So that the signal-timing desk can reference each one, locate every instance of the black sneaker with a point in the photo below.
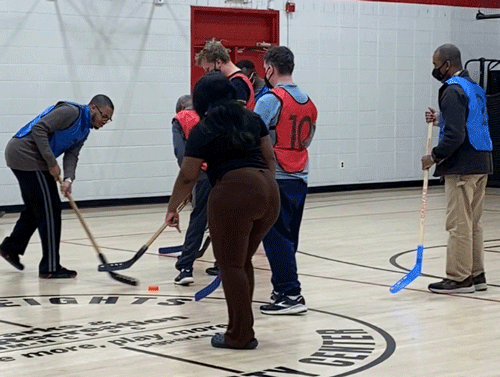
(214, 271)
(185, 277)
(13, 259)
(285, 305)
(480, 282)
(274, 296)
(452, 286)
(62, 273)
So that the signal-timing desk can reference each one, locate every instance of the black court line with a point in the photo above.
(100, 246)
(349, 201)
(126, 250)
(183, 360)
(348, 263)
(406, 289)
(389, 340)
(315, 205)
(152, 295)
(470, 296)
(97, 216)
(69, 240)
(16, 324)
(393, 260)
(338, 202)
(366, 214)
(113, 236)
(387, 270)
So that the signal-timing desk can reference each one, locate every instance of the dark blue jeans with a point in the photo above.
(196, 227)
(282, 241)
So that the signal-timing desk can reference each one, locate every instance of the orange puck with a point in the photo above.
(153, 288)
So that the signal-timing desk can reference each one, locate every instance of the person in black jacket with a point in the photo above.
(463, 158)
(182, 125)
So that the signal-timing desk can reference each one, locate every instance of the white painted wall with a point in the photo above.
(366, 65)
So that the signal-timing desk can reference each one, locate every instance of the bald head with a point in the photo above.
(183, 103)
(450, 53)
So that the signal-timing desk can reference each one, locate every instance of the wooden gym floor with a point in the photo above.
(353, 247)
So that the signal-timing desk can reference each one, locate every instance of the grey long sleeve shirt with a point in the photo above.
(32, 152)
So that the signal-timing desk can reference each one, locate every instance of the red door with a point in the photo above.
(246, 32)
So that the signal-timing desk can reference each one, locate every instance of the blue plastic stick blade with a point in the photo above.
(412, 274)
(201, 294)
(170, 249)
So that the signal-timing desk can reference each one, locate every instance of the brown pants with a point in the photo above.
(465, 199)
(242, 207)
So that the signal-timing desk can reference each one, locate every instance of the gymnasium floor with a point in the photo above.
(95, 326)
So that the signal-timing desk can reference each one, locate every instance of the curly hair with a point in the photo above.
(212, 51)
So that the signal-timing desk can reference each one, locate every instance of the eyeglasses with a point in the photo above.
(105, 119)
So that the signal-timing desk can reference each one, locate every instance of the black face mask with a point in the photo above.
(436, 73)
(266, 80)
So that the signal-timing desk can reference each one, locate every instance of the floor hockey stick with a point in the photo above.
(203, 248)
(178, 248)
(170, 249)
(202, 293)
(417, 269)
(121, 278)
(128, 263)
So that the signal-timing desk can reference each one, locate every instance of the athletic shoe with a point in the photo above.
(480, 282)
(274, 296)
(212, 270)
(219, 341)
(185, 277)
(285, 305)
(62, 273)
(13, 259)
(452, 286)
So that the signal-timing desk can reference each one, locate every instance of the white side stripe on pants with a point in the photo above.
(49, 215)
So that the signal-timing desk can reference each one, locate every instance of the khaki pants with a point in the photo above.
(465, 199)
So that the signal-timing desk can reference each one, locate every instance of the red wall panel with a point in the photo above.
(455, 3)
(241, 30)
